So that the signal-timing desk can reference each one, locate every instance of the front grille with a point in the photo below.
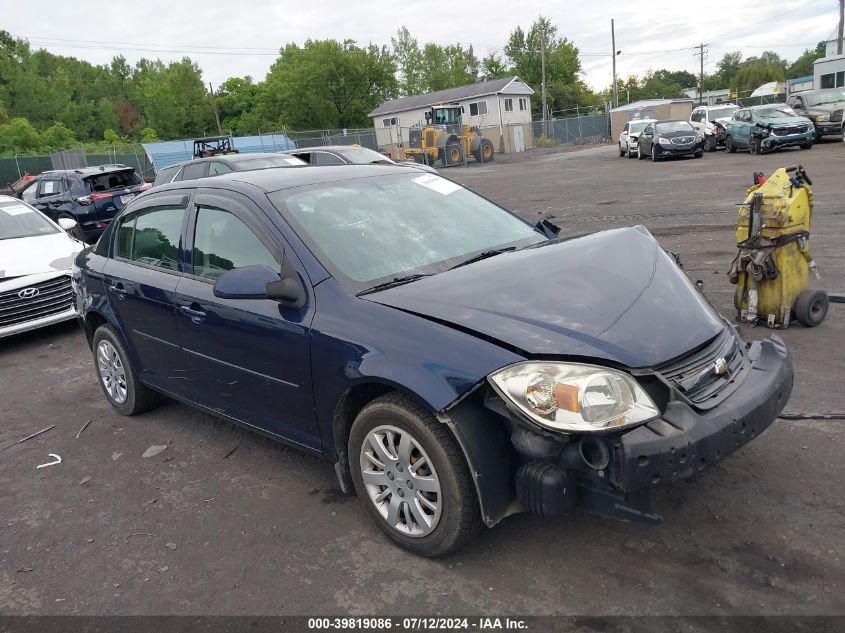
(786, 131)
(683, 140)
(54, 296)
(695, 375)
(836, 116)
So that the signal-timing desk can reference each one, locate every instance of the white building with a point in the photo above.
(500, 108)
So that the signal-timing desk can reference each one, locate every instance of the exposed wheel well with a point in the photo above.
(93, 320)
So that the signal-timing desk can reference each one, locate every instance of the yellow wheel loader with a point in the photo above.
(773, 264)
(446, 140)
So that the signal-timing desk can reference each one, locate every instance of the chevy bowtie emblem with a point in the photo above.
(28, 293)
(721, 366)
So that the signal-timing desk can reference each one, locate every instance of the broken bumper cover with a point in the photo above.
(679, 444)
(683, 441)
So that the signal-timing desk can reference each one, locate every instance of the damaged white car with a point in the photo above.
(35, 260)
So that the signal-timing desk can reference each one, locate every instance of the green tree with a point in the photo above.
(236, 98)
(111, 137)
(564, 87)
(58, 137)
(756, 71)
(493, 67)
(18, 135)
(149, 135)
(803, 66)
(326, 84)
(409, 62)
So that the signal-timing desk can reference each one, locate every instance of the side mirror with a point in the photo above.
(67, 224)
(260, 282)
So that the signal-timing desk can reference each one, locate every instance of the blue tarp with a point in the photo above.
(170, 152)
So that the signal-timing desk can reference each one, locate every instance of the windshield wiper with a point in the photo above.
(484, 255)
(396, 281)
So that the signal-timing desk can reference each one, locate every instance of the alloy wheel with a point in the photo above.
(112, 373)
(401, 481)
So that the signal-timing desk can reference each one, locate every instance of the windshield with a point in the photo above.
(113, 180)
(266, 163)
(721, 113)
(374, 229)
(826, 96)
(774, 113)
(21, 220)
(363, 156)
(637, 127)
(674, 126)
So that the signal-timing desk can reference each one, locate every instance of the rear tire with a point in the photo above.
(487, 152)
(389, 421)
(452, 154)
(811, 307)
(729, 145)
(117, 377)
(806, 145)
(710, 143)
(622, 151)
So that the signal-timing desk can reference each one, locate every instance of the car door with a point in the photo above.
(647, 139)
(140, 278)
(623, 137)
(249, 358)
(741, 128)
(50, 198)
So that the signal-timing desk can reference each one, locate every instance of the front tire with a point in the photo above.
(710, 143)
(729, 145)
(622, 151)
(806, 145)
(117, 377)
(654, 157)
(698, 154)
(639, 153)
(411, 476)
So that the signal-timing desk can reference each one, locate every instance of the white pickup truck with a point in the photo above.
(711, 121)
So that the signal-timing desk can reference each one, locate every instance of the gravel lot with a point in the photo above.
(198, 529)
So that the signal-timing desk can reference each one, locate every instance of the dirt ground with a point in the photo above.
(199, 529)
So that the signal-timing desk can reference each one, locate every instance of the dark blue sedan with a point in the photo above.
(456, 363)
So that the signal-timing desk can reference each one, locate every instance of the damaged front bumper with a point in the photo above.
(615, 473)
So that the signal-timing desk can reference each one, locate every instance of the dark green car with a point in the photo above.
(764, 128)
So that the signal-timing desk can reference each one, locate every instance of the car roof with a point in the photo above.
(232, 158)
(88, 171)
(331, 148)
(716, 106)
(673, 121)
(767, 105)
(278, 178)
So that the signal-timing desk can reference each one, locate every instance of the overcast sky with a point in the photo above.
(241, 38)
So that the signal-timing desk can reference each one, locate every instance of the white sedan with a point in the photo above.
(36, 255)
(630, 133)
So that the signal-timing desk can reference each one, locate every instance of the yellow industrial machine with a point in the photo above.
(773, 264)
(444, 138)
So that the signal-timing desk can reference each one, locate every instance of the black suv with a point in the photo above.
(823, 108)
(90, 196)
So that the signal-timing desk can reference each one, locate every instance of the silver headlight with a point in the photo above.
(664, 141)
(572, 397)
(822, 117)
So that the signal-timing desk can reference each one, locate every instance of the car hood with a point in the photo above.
(614, 295)
(826, 108)
(784, 121)
(38, 254)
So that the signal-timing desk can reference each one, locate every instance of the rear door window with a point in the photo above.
(216, 167)
(50, 187)
(152, 236)
(194, 170)
(324, 158)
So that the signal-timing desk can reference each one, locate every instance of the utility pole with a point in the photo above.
(613, 43)
(700, 53)
(216, 113)
(543, 73)
(841, 26)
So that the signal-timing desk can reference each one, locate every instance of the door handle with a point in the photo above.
(119, 290)
(197, 316)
